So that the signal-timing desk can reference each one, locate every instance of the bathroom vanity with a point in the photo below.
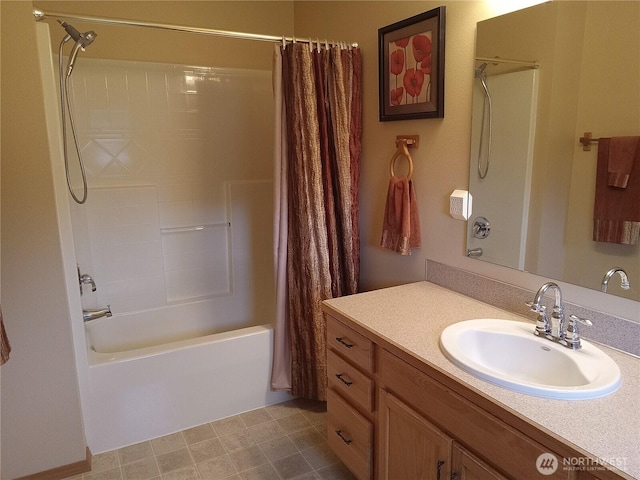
(399, 409)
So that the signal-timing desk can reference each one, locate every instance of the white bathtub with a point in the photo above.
(139, 389)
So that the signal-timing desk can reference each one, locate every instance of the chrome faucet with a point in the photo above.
(624, 280)
(544, 326)
(568, 337)
(92, 314)
(85, 279)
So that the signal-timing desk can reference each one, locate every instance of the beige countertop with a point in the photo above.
(412, 317)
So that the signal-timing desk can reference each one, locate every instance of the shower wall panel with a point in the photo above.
(167, 149)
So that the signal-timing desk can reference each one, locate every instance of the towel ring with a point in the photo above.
(402, 150)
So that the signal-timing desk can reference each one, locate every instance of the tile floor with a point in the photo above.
(286, 441)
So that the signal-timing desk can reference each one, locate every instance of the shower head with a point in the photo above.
(73, 33)
(480, 71)
(82, 40)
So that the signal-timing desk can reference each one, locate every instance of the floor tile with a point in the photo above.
(135, 452)
(254, 417)
(291, 466)
(286, 441)
(266, 430)
(199, 434)
(278, 448)
(144, 469)
(249, 458)
(220, 467)
(206, 450)
(168, 443)
(175, 460)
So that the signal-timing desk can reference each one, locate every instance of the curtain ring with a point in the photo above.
(401, 150)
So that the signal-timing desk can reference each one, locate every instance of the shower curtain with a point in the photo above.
(318, 144)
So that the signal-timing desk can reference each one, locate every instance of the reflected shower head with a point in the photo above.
(480, 70)
(82, 40)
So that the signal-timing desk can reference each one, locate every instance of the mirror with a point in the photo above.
(564, 68)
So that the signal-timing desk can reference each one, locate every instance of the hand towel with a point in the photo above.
(622, 155)
(616, 211)
(401, 226)
(5, 347)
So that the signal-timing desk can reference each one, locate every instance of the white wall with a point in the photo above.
(40, 400)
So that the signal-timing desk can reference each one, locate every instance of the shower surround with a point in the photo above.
(176, 234)
(179, 165)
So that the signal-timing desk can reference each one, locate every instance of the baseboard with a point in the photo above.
(76, 468)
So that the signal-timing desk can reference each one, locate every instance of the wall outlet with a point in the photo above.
(460, 204)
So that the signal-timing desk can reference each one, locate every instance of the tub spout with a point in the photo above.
(92, 314)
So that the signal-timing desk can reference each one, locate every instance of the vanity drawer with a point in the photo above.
(350, 436)
(350, 344)
(351, 383)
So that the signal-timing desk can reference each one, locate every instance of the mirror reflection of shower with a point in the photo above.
(481, 75)
(82, 40)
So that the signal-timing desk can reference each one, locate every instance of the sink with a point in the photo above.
(508, 354)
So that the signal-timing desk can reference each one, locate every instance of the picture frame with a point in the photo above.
(411, 67)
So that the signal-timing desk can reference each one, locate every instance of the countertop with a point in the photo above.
(412, 316)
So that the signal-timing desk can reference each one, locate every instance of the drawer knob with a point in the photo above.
(347, 383)
(344, 439)
(343, 342)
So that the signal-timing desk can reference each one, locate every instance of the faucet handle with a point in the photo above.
(571, 336)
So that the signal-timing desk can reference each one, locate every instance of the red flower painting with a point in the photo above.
(410, 68)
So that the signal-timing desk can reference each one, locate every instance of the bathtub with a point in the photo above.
(179, 375)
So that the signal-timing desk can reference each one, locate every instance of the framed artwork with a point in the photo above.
(411, 57)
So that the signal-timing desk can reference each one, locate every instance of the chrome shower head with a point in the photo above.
(82, 40)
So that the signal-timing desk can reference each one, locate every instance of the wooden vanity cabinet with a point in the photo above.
(391, 416)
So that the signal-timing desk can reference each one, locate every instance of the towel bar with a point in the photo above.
(587, 140)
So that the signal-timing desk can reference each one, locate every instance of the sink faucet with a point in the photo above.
(544, 327)
(624, 280)
(568, 337)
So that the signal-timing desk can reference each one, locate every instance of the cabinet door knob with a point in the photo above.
(343, 342)
(347, 383)
(344, 439)
(440, 464)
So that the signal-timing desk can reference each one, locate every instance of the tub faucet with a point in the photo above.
(92, 314)
(624, 280)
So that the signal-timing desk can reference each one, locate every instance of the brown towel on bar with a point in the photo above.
(5, 347)
(616, 211)
(401, 226)
(622, 155)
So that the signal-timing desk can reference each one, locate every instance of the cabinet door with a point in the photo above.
(466, 466)
(409, 447)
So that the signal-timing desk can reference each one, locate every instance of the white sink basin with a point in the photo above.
(508, 354)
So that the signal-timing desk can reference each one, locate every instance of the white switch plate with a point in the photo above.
(460, 204)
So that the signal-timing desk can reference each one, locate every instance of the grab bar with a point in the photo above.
(194, 228)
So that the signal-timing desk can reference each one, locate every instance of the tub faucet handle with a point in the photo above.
(85, 279)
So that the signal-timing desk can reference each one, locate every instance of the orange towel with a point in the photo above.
(616, 211)
(401, 226)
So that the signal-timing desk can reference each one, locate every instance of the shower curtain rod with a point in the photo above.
(40, 15)
(532, 64)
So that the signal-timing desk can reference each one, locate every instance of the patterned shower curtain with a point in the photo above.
(317, 170)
